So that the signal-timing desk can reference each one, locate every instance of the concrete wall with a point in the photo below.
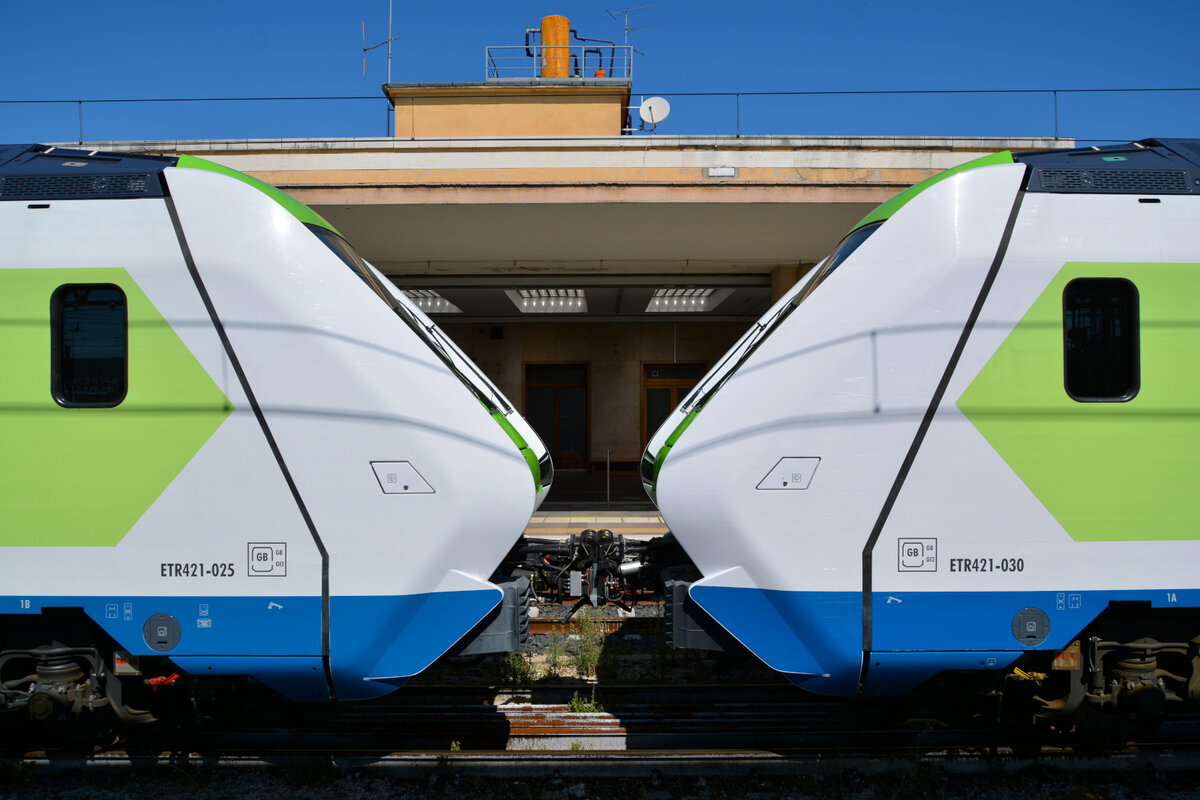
(615, 353)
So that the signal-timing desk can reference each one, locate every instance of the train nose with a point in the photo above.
(647, 474)
(546, 470)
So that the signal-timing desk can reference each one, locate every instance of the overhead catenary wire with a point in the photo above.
(793, 93)
(1054, 93)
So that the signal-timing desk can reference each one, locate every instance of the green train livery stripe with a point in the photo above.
(524, 447)
(294, 206)
(84, 476)
(1110, 471)
(888, 209)
(671, 440)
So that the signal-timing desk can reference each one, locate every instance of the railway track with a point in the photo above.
(686, 741)
(649, 763)
(592, 775)
(608, 625)
(571, 718)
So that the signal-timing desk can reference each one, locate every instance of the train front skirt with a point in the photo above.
(815, 638)
(376, 642)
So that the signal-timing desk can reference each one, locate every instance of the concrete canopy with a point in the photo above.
(473, 216)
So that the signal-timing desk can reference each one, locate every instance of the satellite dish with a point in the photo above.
(654, 110)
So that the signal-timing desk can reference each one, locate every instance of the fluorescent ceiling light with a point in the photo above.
(548, 301)
(684, 300)
(431, 302)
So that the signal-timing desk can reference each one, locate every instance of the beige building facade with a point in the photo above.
(542, 108)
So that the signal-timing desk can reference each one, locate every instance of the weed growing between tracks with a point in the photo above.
(588, 643)
(584, 655)
(587, 650)
(512, 669)
(584, 705)
(554, 655)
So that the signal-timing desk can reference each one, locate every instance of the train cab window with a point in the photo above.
(350, 257)
(1100, 340)
(422, 326)
(89, 346)
(844, 250)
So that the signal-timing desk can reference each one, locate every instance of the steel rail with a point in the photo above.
(534, 721)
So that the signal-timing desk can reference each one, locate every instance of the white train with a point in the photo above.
(230, 445)
(966, 443)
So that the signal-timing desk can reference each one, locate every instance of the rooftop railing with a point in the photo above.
(1091, 116)
(580, 62)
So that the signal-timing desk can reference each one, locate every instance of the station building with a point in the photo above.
(592, 269)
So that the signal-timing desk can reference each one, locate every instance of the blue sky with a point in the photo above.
(142, 50)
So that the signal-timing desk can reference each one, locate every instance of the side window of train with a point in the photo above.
(1101, 360)
(89, 345)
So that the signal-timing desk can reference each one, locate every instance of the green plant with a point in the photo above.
(455, 746)
(589, 643)
(554, 655)
(585, 705)
(513, 669)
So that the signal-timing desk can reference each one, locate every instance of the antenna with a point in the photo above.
(627, 26)
(388, 42)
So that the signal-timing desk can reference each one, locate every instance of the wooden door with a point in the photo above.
(556, 405)
(664, 386)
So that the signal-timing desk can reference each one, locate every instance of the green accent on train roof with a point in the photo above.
(888, 209)
(294, 206)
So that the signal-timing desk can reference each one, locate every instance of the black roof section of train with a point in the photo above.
(1150, 166)
(37, 172)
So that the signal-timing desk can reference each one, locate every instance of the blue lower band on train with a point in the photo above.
(811, 636)
(376, 643)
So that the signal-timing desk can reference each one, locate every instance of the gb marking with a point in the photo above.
(266, 559)
(917, 555)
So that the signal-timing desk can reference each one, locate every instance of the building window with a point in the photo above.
(1100, 339)
(89, 345)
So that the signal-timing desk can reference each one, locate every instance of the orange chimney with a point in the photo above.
(556, 47)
